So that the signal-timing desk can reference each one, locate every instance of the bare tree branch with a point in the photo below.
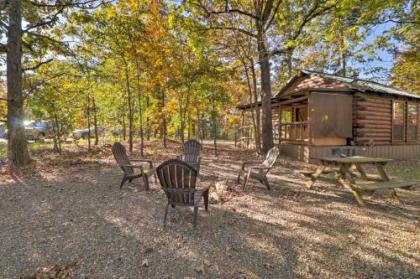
(280, 51)
(267, 10)
(243, 31)
(43, 82)
(273, 16)
(402, 21)
(38, 65)
(3, 48)
(227, 10)
(4, 25)
(313, 13)
(70, 3)
(53, 18)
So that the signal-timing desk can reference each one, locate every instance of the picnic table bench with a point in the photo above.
(347, 169)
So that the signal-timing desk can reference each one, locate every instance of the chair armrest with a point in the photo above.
(249, 163)
(133, 166)
(259, 168)
(141, 160)
(150, 161)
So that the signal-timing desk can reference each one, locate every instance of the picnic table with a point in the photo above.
(348, 169)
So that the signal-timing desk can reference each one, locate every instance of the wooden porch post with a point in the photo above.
(310, 138)
(280, 116)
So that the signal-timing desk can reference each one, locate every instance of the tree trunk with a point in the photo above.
(253, 100)
(164, 128)
(149, 130)
(189, 126)
(343, 62)
(88, 118)
(139, 98)
(57, 135)
(214, 130)
(181, 119)
(289, 56)
(198, 125)
(267, 124)
(130, 107)
(17, 147)
(257, 108)
(183, 111)
(95, 121)
(124, 125)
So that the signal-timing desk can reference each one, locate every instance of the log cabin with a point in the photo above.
(319, 115)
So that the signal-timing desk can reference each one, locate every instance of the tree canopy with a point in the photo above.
(177, 69)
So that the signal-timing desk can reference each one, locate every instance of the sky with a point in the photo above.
(385, 58)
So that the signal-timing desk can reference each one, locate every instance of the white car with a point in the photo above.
(84, 133)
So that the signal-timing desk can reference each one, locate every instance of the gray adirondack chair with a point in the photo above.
(178, 180)
(258, 170)
(192, 154)
(120, 155)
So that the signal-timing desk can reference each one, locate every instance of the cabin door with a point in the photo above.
(300, 113)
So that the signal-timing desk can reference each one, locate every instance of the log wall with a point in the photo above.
(372, 119)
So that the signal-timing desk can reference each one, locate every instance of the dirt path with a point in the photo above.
(75, 215)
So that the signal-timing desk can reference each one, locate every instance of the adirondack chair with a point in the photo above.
(192, 154)
(259, 170)
(178, 180)
(120, 155)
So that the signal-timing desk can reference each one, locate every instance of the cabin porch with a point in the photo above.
(304, 122)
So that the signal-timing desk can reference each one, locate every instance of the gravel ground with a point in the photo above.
(74, 214)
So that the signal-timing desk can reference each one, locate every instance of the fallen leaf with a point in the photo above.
(200, 269)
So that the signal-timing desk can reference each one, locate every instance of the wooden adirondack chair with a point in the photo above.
(120, 155)
(259, 170)
(192, 154)
(178, 180)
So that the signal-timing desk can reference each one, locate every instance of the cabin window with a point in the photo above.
(286, 116)
(412, 122)
(398, 121)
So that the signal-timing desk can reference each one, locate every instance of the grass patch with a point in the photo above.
(405, 170)
(3, 152)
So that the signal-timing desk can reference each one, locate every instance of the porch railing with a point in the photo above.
(297, 132)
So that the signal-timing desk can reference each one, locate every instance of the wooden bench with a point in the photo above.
(370, 188)
(366, 186)
(309, 173)
(314, 175)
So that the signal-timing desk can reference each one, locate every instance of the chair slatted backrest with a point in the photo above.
(191, 151)
(178, 180)
(120, 155)
(271, 157)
